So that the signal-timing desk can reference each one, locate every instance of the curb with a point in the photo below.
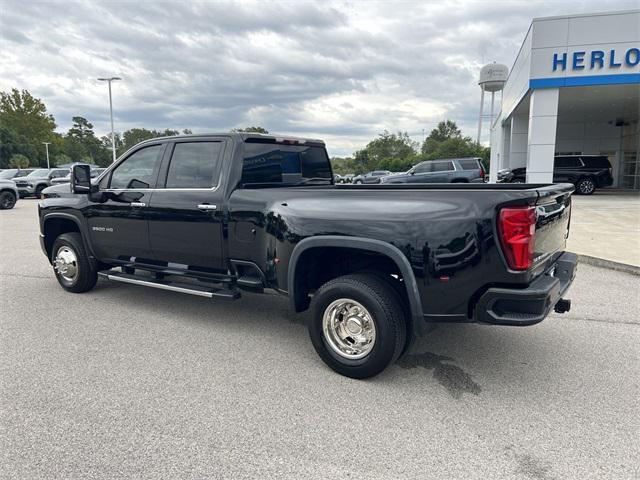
(610, 264)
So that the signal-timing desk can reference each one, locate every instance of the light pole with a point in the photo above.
(113, 137)
(46, 146)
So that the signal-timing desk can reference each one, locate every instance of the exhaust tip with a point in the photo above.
(562, 306)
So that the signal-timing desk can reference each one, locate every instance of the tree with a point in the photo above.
(390, 151)
(18, 161)
(446, 141)
(61, 159)
(81, 143)
(445, 130)
(134, 136)
(251, 130)
(8, 145)
(342, 166)
(27, 117)
(81, 129)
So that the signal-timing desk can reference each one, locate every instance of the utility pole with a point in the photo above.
(46, 146)
(113, 137)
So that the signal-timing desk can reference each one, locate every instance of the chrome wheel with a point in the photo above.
(66, 263)
(586, 187)
(349, 329)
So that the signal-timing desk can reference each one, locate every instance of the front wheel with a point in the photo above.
(7, 200)
(358, 326)
(73, 269)
(586, 186)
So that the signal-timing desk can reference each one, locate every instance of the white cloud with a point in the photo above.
(341, 71)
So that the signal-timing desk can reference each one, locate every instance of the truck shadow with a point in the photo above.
(268, 316)
(453, 378)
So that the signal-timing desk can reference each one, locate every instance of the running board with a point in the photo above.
(172, 286)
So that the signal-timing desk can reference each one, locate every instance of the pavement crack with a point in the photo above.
(453, 378)
(22, 275)
(603, 320)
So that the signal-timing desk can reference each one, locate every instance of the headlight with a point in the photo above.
(29, 185)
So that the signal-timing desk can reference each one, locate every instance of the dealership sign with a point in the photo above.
(596, 59)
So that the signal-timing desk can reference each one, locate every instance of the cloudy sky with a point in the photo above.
(341, 71)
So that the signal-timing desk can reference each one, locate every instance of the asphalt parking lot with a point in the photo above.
(130, 382)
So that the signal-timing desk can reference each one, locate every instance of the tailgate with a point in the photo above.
(553, 214)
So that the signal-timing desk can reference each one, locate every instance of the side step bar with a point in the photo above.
(172, 286)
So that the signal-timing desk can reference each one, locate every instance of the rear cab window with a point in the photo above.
(268, 162)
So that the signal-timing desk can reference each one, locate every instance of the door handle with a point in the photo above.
(207, 206)
(138, 204)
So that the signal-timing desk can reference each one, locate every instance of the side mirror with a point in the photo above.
(81, 179)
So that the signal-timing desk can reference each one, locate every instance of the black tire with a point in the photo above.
(384, 306)
(585, 186)
(7, 200)
(87, 274)
(39, 190)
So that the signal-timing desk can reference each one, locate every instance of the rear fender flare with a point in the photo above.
(359, 243)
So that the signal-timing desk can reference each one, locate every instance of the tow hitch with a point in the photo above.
(562, 306)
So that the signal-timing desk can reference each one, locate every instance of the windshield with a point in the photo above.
(8, 173)
(286, 165)
(41, 172)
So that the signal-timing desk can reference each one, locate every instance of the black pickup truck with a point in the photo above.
(214, 215)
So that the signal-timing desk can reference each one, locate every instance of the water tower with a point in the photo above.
(492, 79)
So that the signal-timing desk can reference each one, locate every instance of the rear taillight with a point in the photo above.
(482, 173)
(517, 228)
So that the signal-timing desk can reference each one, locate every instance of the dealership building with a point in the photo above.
(574, 88)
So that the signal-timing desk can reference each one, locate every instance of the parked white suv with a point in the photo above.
(8, 194)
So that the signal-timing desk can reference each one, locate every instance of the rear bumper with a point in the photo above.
(606, 181)
(528, 306)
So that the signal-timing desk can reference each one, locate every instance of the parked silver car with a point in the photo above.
(371, 177)
(8, 194)
(38, 180)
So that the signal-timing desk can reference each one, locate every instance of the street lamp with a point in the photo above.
(46, 146)
(113, 137)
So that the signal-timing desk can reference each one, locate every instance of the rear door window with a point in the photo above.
(443, 166)
(567, 162)
(194, 165)
(469, 164)
(59, 173)
(596, 162)
(423, 167)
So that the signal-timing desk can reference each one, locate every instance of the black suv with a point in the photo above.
(586, 172)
